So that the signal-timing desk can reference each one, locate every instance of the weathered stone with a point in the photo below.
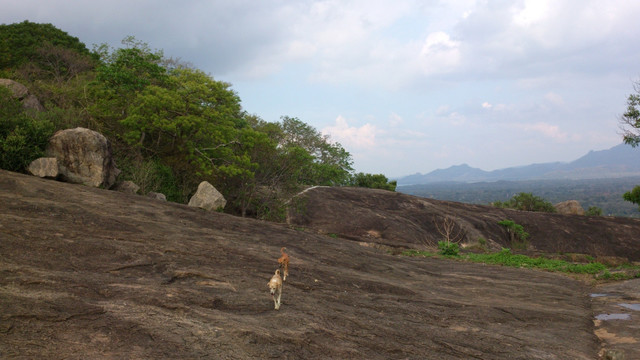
(157, 196)
(31, 102)
(85, 275)
(127, 187)
(569, 207)
(21, 93)
(44, 167)
(84, 157)
(207, 197)
(18, 90)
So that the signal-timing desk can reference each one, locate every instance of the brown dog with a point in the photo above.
(284, 263)
(275, 287)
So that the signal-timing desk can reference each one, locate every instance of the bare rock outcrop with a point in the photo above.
(127, 186)
(207, 197)
(20, 92)
(44, 167)
(94, 274)
(84, 157)
(157, 196)
(569, 207)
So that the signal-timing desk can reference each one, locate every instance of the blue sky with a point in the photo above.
(405, 86)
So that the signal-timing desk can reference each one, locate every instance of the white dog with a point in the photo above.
(275, 286)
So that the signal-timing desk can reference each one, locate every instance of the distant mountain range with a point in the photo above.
(619, 161)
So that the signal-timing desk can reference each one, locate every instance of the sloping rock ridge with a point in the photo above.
(400, 220)
(87, 273)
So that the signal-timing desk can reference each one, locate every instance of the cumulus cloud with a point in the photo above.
(351, 136)
(439, 54)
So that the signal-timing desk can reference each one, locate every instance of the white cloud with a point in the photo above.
(351, 136)
(439, 54)
(548, 130)
(486, 105)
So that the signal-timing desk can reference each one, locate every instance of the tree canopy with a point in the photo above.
(630, 120)
(20, 43)
(171, 125)
(630, 125)
(526, 202)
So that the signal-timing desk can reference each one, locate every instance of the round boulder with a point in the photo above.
(84, 157)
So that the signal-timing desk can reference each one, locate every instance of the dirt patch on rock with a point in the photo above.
(90, 273)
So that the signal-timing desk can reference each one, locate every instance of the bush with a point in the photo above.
(377, 181)
(516, 232)
(593, 211)
(152, 175)
(526, 202)
(448, 248)
(23, 138)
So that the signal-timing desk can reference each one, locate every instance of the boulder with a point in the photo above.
(18, 90)
(44, 167)
(84, 157)
(157, 196)
(21, 93)
(207, 197)
(569, 207)
(127, 187)
(31, 102)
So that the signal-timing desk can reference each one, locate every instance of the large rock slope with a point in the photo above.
(396, 219)
(87, 273)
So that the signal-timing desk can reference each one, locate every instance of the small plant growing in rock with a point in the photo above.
(452, 234)
(448, 248)
(593, 211)
(516, 231)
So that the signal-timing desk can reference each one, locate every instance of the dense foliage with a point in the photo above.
(23, 43)
(633, 196)
(377, 181)
(171, 126)
(630, 125)
(630, 120)
(22, 137)
(526, 202)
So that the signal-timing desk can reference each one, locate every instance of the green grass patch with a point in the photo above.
(506, 258)
(418, 253)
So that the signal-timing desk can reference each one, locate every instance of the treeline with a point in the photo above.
(605, 194)
(171, 125)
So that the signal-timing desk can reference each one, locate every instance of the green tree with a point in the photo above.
(331, 163)
(130, 68)
(194, 120)
(378, 181)
(593, 211)
(630, 125)
(633, 196)
(630, 120)
(122, 75)
(526, 202)
(21, 43)
(23, 136)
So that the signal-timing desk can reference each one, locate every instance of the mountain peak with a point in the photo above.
(619, 161)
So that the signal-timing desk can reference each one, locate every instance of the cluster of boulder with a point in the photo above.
(20, 92)
(84, 156)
